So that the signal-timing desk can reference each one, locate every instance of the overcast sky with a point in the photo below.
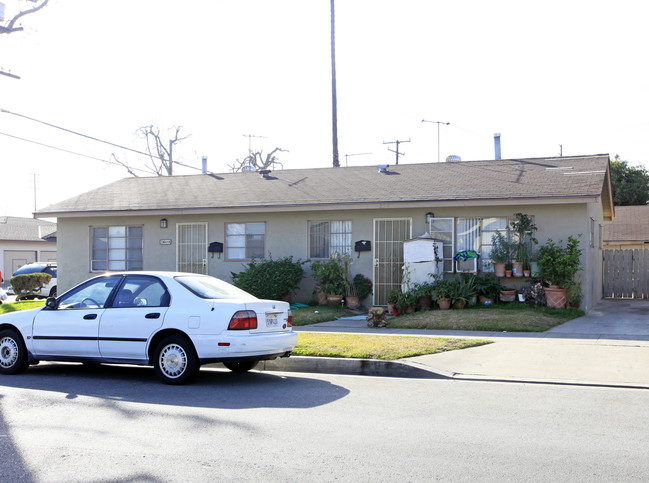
(543, 74)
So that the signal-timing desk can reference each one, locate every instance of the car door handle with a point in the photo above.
(152, 315)
(90, 316)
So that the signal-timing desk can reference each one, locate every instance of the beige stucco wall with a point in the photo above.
(286, 234)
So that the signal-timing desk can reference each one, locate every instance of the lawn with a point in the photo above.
(513, 317)
(314, 314)
(24, 305)
(385, 347)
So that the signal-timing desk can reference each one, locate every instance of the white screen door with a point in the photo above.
(389, 235)
(192, 247)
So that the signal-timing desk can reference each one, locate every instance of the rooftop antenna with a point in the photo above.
(397, 142)
(354, 154)
(438, 123)
(250, 136)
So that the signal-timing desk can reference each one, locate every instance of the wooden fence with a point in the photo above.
(626, 274)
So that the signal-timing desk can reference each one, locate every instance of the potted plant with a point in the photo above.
(441, 290)
(460, 292)
(424, 293)
(471, 279)
(499, 254)
(393, 298)
(509, 267)
(363, 286)
(406, 302)
(559, 264)
(488, 288)
(507, 294)
(329, 275)
(523, 228)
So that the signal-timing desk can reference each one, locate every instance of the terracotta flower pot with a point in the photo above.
(444, 304)
(392, 310)
(353, 302)
(517, 269)
(556, 297)
(499, 269)
(334, 300)
(508, 273)
(425, 302)
(507, 295)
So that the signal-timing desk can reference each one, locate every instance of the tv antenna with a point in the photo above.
(250, 136)
(354, 154)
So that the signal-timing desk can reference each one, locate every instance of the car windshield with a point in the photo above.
(211, 288)
(29, 269)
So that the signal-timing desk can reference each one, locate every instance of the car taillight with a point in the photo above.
(290, 319)
(243, 320)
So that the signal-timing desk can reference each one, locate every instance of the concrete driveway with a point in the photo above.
(609, 346)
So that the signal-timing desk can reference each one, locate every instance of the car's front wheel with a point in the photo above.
(175, 360)
(243, 366)
(13, 353)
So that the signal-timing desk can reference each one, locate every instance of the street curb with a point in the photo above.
(406, 369)
(358, 367)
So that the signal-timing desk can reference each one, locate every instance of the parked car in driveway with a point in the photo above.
(173, 321)
(49, 289)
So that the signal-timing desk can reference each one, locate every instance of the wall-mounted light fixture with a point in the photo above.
(164, 223)
(429, 217)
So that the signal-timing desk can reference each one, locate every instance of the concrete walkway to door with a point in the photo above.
(609, 347)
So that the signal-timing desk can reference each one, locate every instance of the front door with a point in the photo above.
(192, 247)
(389, 235)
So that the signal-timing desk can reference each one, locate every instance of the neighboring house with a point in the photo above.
(25, 240)
(626, 253)
(629, 230)
(178, 223)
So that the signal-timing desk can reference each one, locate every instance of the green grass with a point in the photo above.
(499, 318)
(308, 315)
(24, 305)
(384, 347)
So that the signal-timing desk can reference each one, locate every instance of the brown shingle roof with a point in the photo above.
(512, 179)
(631, 225)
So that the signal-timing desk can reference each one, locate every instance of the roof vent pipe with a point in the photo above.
(204, 164)
(497, 145)
(383, 168)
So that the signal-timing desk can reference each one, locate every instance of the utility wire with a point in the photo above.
(69, 152)
(87, 137)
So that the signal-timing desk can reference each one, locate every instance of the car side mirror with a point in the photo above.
(50, 303)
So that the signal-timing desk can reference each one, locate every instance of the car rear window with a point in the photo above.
(211, 288)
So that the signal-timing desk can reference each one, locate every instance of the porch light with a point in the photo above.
(429, 217)
(164, 223)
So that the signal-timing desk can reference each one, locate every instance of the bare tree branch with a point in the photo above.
(256, 161)
(10, 26)
(161, 157)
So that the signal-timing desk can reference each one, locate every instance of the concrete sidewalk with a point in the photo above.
(607, 347)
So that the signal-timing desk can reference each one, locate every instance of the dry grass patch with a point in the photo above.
(385, 347)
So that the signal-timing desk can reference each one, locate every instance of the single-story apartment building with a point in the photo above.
(25, 240)
(216, 223)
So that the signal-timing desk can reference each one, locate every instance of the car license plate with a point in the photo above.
(272, 320)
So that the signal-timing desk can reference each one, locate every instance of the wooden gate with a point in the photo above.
(626, 274)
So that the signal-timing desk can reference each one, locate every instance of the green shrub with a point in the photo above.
(330, 275)
(363, 285)
(29, 284)
(270, 279)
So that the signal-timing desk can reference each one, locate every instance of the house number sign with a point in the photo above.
(165, 242)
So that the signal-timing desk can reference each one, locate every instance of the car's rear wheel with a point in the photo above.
(175, 360)
(243, 366)
(13, 353)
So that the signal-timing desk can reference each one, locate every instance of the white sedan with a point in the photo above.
(172, 321)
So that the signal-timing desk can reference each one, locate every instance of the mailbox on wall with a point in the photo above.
(363, 246)
(215, 247)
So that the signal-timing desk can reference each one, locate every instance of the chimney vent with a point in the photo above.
(264, 173)
(497, 144)
(204, 164)
(383, 168)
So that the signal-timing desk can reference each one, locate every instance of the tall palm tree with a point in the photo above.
(334, 100)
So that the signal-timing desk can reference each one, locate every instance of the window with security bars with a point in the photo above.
(490, 226)
(329, 237)
(116, 248)
(245, 241)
